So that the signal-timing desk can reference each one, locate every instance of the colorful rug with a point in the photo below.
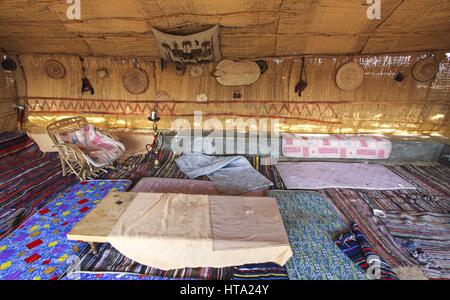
(113, 276)
(13, 141)
(183, 186)
(356, 206)
(361, 206)
(426, 236)
(355, 245)
(310, 222)
(322, 175)
(434, 180)
(109, 260)
(268, 271)
(28, 179)
(404, 200)
(39, 248)
(140, 166)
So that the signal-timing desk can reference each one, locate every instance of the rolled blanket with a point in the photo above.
(355, 245)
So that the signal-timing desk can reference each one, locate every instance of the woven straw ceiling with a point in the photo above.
(249, 28)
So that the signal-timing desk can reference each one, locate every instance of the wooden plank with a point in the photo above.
(139, 45)
(92, 9)
(24, 10)
(72, 45)
(170, 7)
(243, 46)
(107, 26)
(96, 225)
(315, 44)
(405, 43)
(417, 17)
(239, 23)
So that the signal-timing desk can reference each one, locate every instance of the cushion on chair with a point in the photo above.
(98, 149)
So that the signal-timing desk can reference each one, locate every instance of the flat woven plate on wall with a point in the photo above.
(135, 81)
(425, 69)
(349, 76)
(235, 73)
(54, 69)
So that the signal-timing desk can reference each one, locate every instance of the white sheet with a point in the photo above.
(172, 231)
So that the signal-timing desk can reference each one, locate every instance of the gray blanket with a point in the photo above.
(231, 175)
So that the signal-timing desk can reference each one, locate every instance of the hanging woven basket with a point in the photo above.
(135, 81)
(162, 96)
(425, 69)
(236, 73)
(349, 76)
(54, 69)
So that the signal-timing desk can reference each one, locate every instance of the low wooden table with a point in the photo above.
(212, 230)
(96, 225)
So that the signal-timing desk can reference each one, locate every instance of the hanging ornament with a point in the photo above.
(399, 77)
(102, 73)
(302, 84)
(86, 86)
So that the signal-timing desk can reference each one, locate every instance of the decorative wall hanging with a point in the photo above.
(234, 73)
(349, 76)
(162, 96)
(86, 86)
(135, 81)
(196, 71)
(425, 69)
(302, 83)
(54, 69)
(202, 47)
(399, 77)
(180, 69)
(262, 66)
(9, 64)
(163, 64)
(102, 73)
(201, 97)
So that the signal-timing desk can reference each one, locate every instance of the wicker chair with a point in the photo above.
(72, 158)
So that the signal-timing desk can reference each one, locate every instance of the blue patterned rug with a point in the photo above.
(114, 276)
(310, 222)
(39, 248)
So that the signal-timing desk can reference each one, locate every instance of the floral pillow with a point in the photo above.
(98, 149)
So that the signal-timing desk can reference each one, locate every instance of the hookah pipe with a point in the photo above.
(154, 147)
(21, 109)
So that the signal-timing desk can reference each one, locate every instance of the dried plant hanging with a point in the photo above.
(302, 84)
(86, 86)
